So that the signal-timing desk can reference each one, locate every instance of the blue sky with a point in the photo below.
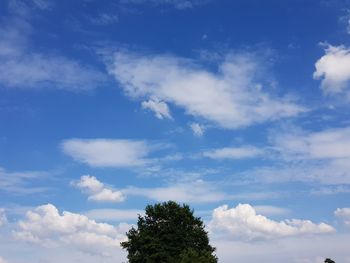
(238, 108)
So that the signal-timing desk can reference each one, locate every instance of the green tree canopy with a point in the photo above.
(169, 233)
(328, 260)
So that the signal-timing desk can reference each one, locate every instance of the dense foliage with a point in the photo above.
(169, 233)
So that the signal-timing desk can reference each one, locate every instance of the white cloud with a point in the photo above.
(3, 218)
(107, 195)
(344, 214)
(47, 227)
(107, 152)
(2, 260)
(89, 183)
(233, 153)
(160, 108)
(230, 98)
(242, 222)
(198, 130)
(98, 191)
(334, 69)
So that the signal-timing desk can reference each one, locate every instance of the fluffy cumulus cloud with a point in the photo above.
(98, 191)
(343, 214)
(160, 108)
(242, 222)
(107, 152)
(233, 153)
(230, 97)
(46, 226)
(333, 68)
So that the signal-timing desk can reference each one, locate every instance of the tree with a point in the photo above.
(328, 260)
(169, 233)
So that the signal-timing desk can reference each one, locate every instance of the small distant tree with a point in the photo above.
(328, 260)
(169, 233)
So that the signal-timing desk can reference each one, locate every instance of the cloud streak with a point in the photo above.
(20, 182)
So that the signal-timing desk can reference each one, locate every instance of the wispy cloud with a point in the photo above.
(326, 144)
(312, 157)
(3, 218)
(189, 190)
(21, 182)
(103, 19)
(231, 97)
(24, 67)
(193, 192)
